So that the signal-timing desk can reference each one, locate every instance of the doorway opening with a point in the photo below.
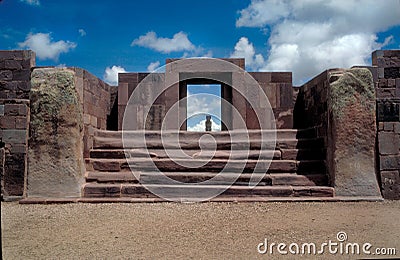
(203, 105)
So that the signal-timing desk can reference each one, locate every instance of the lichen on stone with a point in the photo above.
(53, 92)
(354, 85)
(56, 166)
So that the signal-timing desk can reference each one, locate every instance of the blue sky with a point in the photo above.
(107, 37)
(305, 37)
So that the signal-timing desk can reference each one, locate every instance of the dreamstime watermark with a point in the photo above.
(340, 246)
(166, 83)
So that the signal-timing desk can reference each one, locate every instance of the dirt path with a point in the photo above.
(200, 231)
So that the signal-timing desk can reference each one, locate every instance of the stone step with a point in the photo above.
(112, 177)
(197, 177)
(252, 133)
(175, 153)
(284, 154)
(236, 179)
(95, 190)
(214, 165)
(220, 144)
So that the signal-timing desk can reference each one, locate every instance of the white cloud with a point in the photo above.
(198, 52)
(203, 103)
(111, 74)
(245, 49)
(31, 2)
(201, 126)
(199, 105)
(153, 66)
(82, 32)
(307, 37)
(45, 48)
(179, 42)
(260, 13)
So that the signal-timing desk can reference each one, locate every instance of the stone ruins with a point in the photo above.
(67, 136)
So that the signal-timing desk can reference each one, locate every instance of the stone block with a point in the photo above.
(388, 126)
(93, 121)
(389, 143)
(1, 110)
(281, 77)
(270, 91)
(56, 164)
(14, 174)
(21, 122)
(15, 136)
(391, 83)
(396, 127)
(23, 86)
(8, 55)
(252, 120)
(7, 122)
(106, 190)
(383, 83)
(13, 64)
(8, 85)
(21, 75)
(392, 73)
(123, 94)
(286, 95)
(388, 111)
(12, 109)
(283, 118)
(390, 184)
(86, 119)
(6, 75)
(386, 93)
(19, 148)
(381, 73)
(261, 77)
(389, 162)
(350, 158)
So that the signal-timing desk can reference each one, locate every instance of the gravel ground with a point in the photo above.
(181, 231)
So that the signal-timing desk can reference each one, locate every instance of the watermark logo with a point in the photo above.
(166, 83)
(340, 246)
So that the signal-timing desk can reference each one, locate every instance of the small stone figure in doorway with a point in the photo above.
(208, 123)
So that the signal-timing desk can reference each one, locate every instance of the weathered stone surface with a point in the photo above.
(56, 166)
(388, 111)
(14, 173)
(352, 129)
(390, 162)
(390, 184)
(2, 162)
(102, 190)
(389, 143)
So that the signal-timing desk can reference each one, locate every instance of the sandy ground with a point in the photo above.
(182, 231)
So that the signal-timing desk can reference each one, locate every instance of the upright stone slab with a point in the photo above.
(352, 130)
(56, 166)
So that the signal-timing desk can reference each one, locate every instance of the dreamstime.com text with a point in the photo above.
(340, 246)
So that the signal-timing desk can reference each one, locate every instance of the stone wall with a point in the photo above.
(15, 71)
(95, 97)
(95, 101)
(340, 104)
(387, 85)
(279, 90)
(276, 85)
(127, 82)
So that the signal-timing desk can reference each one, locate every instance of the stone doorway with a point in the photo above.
(220, 112)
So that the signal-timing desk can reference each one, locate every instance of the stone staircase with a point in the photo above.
(192, 161)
